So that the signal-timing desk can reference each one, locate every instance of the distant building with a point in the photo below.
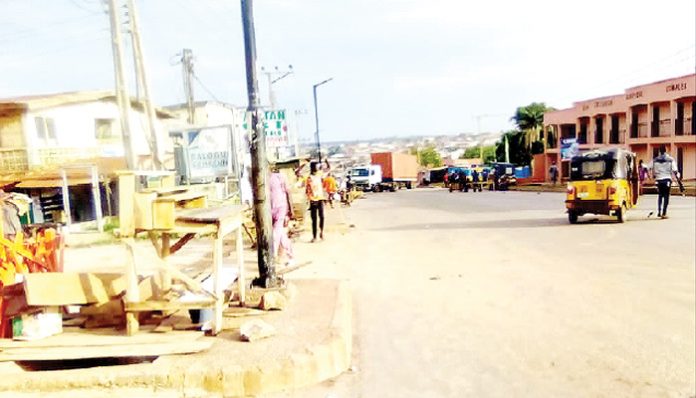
(42, 134)
(641, 119)
(45, 131)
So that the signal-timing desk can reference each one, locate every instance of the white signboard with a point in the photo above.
(208, 152)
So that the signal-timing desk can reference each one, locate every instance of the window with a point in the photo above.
(103, 129)
(45, 129)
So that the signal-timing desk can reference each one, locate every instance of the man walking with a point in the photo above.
(281, 213)
(553, 172)
(663, 166)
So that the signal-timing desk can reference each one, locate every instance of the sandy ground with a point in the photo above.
(495, 295)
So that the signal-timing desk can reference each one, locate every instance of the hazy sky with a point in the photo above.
(400, 67)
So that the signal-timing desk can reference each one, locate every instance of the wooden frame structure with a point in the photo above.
(166, 212)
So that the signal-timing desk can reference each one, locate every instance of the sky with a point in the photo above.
(399, 67)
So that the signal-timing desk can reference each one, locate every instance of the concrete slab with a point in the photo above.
(313, 343)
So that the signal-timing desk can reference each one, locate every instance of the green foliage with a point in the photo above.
(489, 153)
(519, 152)
(429, 157)
(530, 120)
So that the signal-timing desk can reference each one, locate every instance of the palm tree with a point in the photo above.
(530, 120)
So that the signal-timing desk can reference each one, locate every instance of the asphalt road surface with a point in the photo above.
(494, 294)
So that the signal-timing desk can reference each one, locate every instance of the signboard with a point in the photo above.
(569, 148)
(208, 152)
(275, 125)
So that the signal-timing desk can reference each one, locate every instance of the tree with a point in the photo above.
(530, 120)
(520, 153)
(489, 153)
(429, 157)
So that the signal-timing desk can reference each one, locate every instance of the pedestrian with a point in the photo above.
(281, 214)
(553, 172)
(474, 178)
(330, 187)
(446, 179)
(642, 175)
(663, 166)
(461, 176)
(315, 193)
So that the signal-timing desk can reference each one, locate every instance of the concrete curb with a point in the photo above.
(315, 364)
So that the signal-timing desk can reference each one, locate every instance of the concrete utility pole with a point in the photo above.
(141, 79)
(122, 97)
(259, 161)
(187, 72)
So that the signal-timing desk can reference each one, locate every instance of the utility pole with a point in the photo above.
(316, 116)
(272, 81)
(141, 79)
(187, 72)
(122, 97)
(259, 162)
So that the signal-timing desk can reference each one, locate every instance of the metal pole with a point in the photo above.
(259, 162)
(316, 123)
(96, 197)
(66, 198)
(316, 116)
(122, 97)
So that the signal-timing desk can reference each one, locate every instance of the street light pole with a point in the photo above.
(316, 116)
(259, 161)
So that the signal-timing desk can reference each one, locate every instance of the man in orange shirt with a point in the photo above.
(330, 187)
(314, 188)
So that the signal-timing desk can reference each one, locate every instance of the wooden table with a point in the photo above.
(216, 222)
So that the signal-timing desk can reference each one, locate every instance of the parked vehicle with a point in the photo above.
(602, 182)
(399, 170)
(366, 178)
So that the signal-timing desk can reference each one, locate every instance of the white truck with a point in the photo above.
(367, 178)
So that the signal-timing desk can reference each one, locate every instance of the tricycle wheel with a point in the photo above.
(621, 214)
(572, 217)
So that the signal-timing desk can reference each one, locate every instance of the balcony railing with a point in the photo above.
(13, 160)
(639, 130)
(662, 128)
(598, 137)
(17, 160)
(617, 136)
(683, 126)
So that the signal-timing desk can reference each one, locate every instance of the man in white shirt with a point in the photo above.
(663, 166)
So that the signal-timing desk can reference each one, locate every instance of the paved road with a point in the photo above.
(494, 294)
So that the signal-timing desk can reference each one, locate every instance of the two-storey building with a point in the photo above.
(641, 119)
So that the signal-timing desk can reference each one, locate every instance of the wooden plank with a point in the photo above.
(163, 191)
(142, 209)
(163, 215)
(156, 305)
(112, 308)
(65, 288)
(126, 190)
(210, 214)
(181, 242)
(180, 196)
(75, 337)
(119, 351)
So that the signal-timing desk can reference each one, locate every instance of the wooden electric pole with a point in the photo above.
(122, 97)
(141, 79)
(259, 161)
